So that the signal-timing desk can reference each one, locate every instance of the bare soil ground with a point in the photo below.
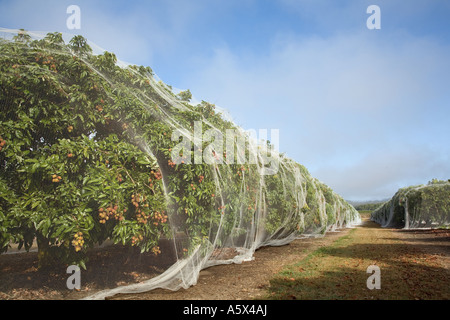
(415, 264)
(248, 280)
(108, 267)
(111, 267)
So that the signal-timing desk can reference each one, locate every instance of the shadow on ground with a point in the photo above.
(410, 267)
(107, 268)
(348, 283)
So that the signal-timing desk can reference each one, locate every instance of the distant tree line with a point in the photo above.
(368, 206)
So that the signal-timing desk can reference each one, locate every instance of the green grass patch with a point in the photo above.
(339, 271)
(310, 278)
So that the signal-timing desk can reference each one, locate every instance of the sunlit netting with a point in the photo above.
(424, 206)
(93, 150)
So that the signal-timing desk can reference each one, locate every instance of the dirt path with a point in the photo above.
(248, 280)
(414, 264)
(109, 268)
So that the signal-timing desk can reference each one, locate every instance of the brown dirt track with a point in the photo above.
(20, 279)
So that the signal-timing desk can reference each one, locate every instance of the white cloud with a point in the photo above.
(336, 100)
(339, 99)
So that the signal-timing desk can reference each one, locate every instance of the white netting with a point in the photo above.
(96, 150)
(423, 206)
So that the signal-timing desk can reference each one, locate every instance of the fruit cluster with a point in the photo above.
(139, 201)
(157, 175)
(156, 250)
(200, 179)
(48, 61)
(221, 208)
(56, 178)
(99, 107)
(78, 241)
(2, 143)
(136, 199)
(141, 216)
(240, 171)
(110, 212)
(171, 163)
(136, 239)
(159, 217)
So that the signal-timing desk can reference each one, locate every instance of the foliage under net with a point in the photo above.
(94, 151)
(423, 206)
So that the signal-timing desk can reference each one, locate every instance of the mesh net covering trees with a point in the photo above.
(87, 155)
(422, 206)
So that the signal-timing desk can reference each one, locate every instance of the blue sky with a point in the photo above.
(366, 111)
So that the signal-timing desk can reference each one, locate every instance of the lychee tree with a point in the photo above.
(73, 172)
(86, 155)
(417, 206)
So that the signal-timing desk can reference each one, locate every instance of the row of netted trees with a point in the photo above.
(422, 206)
(87, 155)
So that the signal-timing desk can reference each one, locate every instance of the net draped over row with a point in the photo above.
(97, 150)
(422, 206)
